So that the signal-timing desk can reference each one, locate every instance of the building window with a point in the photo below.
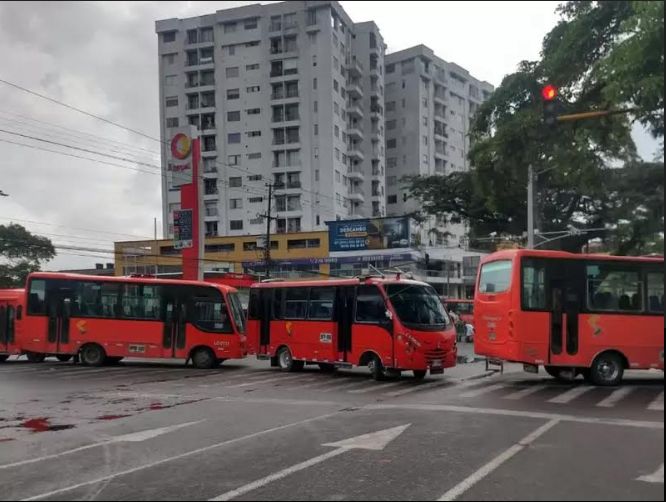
(425, 140)
(253, 111)
(390, 106)
(172, 122)
(229, 27)
(171, 80)
(336, 132)
(314, 83)
(254, 88)
(336, 108)
(390, 125)
(315, 106)
(235, 182)
(168, 36)
(336, 86)
(253, 156)
(233, 137)
(255, 200)
(255, 177)
(235, 203)
(209, 144)
(236, 224)
(233, 116)
(169, 59)
(233, 93)
(234, 160)
(210, 186)
(392, 199)
(211, 228)
(251, 67)
(208, 121)
(316, 129)
(253, 134)
(391, 180)
(391, 143)
(171, 101)
(232, 72)
(250, 24)
(231, 50)
(391, 162)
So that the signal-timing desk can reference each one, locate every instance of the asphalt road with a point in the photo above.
(159, 431)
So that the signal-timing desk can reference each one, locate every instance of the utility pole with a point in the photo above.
(530, 207)
(157, 249)
(267, 245)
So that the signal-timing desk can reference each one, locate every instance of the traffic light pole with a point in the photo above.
(530, 207)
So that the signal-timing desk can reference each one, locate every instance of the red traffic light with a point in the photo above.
(549, 92)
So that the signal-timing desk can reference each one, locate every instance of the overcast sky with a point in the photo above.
(101, 57)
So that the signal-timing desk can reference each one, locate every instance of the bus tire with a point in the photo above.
(3, 357)
(327, 367)
(376, 368)
(92, 355)
(63, 358)
(419, 374)
(203, 358)
(34, 357)
(286, 360)
(607, 369)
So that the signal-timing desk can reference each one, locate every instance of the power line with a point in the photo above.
(74, 228)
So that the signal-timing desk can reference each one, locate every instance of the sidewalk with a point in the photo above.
(471, 366)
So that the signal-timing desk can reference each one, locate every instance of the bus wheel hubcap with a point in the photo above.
(608, 370)
(285, 358)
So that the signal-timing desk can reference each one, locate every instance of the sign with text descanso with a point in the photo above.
(375, 233)
(183, 230)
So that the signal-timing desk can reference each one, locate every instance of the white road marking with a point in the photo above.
(477, 476)
(655, 477)
(416, 388)
(483, 390)
(318, 384)
(178, 457)
(357, 383)
(615, 397)
(134, 437)
(376, 441)
(273, 379)
(571, 394)
(526, 392)
(377, 386)
(658, 403)
(642, 424)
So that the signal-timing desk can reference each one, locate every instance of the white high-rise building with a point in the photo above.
(288, 93)
(429, 106)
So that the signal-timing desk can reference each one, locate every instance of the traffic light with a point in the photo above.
(551, 106)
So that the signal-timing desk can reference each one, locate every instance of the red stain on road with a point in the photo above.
(43, 425)
(112, 417)
(6, 440)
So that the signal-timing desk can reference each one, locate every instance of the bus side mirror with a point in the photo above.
(389, 315)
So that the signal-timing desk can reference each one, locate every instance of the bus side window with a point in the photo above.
(370, 306)
(655, 292)
(254, 307)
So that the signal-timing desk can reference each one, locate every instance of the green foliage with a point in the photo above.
(601, 55)
(21, 253)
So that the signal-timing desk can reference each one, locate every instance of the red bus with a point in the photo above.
(464, 308)
(104, 319)
(11, 310)
(594, 315)
(389, 325)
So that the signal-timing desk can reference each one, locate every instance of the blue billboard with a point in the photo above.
(368, 234)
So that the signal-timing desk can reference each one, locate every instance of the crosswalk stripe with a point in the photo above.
(357, 383)
(318, 383)
(525, 392)
(274, 379)
(571, 394)
(416, 388)
(616, 396)
(483, 390)
(375, 387)
(658, 403)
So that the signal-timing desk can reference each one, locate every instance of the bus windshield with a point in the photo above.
(418, 306)
(237, 312)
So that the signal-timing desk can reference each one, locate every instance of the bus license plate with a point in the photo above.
(436, 363)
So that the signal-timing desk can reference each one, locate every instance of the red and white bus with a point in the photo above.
(464, 308)
(594, 315)
(105, 319)
(389, 325)
(11, 310)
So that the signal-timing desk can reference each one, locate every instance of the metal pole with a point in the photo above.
(530, 207)
(267, 252)
(157, 249)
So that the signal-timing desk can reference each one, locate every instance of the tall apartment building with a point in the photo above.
(288, 93)
(429, 106)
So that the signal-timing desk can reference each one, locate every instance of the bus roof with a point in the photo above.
(127, 279)
(337, 282)
(564, 255)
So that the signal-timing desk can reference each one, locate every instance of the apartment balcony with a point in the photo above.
(355, 111)
(355, 68)
(374, 71)
(355, 132)
(354, 90)
(356, 196)
(355, 152)
(286, 54)
(356, 174)
(440, 97)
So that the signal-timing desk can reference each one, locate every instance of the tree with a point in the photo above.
(21, 252)
(585, 55)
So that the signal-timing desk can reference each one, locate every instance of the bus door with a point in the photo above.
(372, 329)
(6, 312)
(345, 317)
(61, 306)
(265, 301)
(175, 323)
(567, 295)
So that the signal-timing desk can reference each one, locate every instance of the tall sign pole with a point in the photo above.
(183, 166)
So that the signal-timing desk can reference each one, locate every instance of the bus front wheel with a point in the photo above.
(92, 355)
(606, 370)
(203, 359)
(376, 368)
